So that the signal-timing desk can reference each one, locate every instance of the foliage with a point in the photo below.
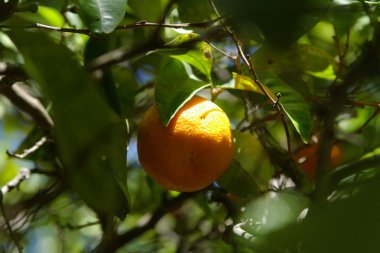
(76, 77)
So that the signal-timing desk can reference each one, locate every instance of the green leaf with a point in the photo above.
(90, 137)
(241, 82)
(297, 59)
(293, 104)
(193, 11)
(273, 211)
(52, 16)
(281, 22)
(175, 86)
(253, 158)
(238, 181)
(147, 9)
(103, 16)
(343, 15)
(326, 228)
(188, 48)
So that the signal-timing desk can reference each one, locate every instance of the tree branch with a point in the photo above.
(26, 103)
(168, 206)
(139, 24)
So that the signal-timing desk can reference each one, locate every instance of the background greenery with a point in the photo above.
(76, 76)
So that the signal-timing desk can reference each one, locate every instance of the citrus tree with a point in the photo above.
(189, 126)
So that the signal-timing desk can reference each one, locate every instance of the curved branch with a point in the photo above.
(166, 207)
(26, 103)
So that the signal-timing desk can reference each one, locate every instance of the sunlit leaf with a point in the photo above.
(273, 211)
(188, 48)
(175, 86)
(52, 16)
(102, 16)
(242, 82)
(327, 73)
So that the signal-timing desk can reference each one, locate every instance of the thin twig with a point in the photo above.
(26, 103)
(144, 23)
(232, 57)
(139, 24)
(9, 227)
(248, 63)
(16, 181)
(78, 227)
(31, 150)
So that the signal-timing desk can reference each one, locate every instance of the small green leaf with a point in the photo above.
(327, 73)
(91, 139)
(103, 16)
(193, 11)
(147, 9)
(188, 48)
(294, 105)
(175, 86)
(52, 16)
(242, 82)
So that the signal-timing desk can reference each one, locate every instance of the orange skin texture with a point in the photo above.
(192, 151)
(306, 159)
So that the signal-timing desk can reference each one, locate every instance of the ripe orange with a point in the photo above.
(306, 158)
(192, 151)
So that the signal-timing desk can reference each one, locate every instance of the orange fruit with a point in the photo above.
(306, 158)
(192, 151)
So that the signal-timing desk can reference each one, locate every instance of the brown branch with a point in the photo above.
(26, 103)
(139, 24)
(122, 239)
(119, 55)
(144, 23)
(9, 227)
(14, 71)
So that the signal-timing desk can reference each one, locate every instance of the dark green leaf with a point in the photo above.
(193, 11)
(253, 158)
(102, 16)
(91, 138)
(175, 86)
(343, 15)
(294, 105)
(7, 9)
(281, 22)
(299, 59)
(335, 227)
(238, 181)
